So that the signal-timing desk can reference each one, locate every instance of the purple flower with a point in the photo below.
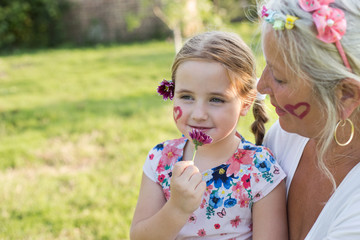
(166, 89)
(199, 138)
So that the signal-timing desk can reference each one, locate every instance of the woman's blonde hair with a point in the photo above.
(318, 62)
(237, 58)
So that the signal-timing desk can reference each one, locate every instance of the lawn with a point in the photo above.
(75, 128)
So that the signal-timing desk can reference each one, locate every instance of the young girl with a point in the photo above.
(234, 189)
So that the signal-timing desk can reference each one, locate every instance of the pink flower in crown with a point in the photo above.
(330, 24)
(264, 12)
(312, 5)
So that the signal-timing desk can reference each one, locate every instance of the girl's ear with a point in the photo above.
(245, 108)
(348, 93)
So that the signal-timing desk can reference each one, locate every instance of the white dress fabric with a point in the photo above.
(340, 218)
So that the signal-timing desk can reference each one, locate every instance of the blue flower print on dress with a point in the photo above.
(263, 166)
(220, 178)
(230, 202)
(159, 147)
(215, 200)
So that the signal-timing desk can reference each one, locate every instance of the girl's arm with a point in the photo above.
(269, 215)
(156, 218)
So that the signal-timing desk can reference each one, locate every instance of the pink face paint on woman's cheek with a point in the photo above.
(299, 110)
(177, 112)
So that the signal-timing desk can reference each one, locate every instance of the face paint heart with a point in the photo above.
(300, 110)
(177, 113)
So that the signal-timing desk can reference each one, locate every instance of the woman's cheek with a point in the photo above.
(299, 110)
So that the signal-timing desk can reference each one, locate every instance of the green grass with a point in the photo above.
(75, 128)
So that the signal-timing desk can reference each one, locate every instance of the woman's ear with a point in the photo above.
(348, 93)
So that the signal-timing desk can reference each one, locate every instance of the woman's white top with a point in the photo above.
(340, 218)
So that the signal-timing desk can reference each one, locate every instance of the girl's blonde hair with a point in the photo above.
(237, 58)
(318, 62)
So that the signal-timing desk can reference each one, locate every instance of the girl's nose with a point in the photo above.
(263, 86)
(199, 112)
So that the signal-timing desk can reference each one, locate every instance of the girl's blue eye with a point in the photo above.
(217, 100)
(186, 97)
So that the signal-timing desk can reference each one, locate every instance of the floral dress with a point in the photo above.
(225, 211)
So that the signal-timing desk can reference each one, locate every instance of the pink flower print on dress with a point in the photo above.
(167, 193)
(240, 157)
(192, 219)
(244, 200)
(161, 177)
(170, 154)
(238, 190)
(208, 190)
(245, 179)
(202, 233)
(235, 222)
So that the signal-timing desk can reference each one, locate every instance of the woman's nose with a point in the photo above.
(263, 86)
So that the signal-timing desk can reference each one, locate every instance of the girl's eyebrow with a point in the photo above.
(183, 91)
(218, 93)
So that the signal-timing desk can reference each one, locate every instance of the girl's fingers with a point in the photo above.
(180, 166)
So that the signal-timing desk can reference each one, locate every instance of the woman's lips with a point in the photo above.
(279, 111)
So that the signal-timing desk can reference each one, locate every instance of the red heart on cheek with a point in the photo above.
(300, 110)
(177, 113)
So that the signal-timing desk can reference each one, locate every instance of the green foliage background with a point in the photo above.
(31, 23)
(75, 129)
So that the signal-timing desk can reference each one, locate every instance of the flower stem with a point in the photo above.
(194, 153)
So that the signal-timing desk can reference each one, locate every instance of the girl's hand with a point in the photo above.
(187, 187)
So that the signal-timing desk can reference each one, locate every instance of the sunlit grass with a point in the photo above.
(75, 128)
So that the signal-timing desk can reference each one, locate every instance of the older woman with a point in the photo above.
(312, 76)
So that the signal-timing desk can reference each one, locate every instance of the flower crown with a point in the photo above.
(330, 22)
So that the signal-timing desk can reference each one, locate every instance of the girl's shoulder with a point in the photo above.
(162, 157)
(259, 149)
(179, 142)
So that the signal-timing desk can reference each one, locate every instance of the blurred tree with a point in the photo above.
(187, 17)
(183, 17)
(235, 10)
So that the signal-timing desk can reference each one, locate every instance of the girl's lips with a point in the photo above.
(200, 128)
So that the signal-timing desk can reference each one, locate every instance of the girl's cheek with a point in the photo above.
(177, 113)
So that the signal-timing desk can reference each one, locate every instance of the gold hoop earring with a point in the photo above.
(342, 125)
